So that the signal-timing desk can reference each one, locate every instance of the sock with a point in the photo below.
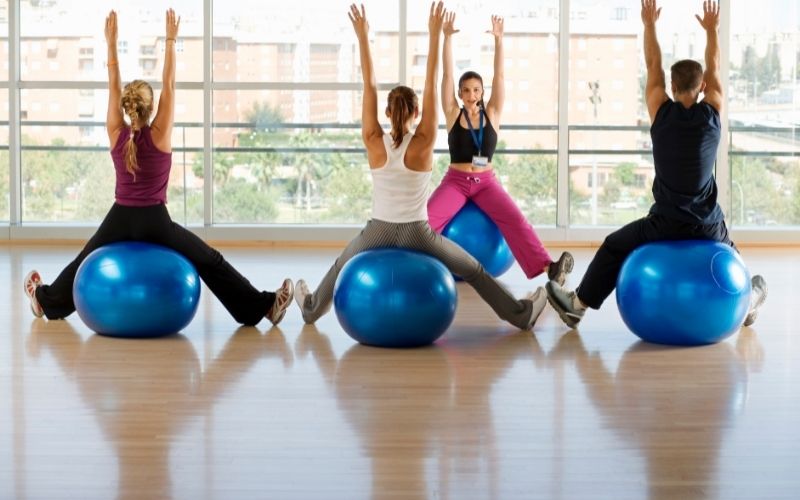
(576, 303)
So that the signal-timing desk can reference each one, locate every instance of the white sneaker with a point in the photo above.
(757, 297)
(539, 300)
(31, 282)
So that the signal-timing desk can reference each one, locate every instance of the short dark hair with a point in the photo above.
(687, 75)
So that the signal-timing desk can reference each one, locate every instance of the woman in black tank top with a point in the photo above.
(472, 139)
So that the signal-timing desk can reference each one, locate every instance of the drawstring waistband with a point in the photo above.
(476, 180)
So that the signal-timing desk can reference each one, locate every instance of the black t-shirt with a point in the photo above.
(685, 142)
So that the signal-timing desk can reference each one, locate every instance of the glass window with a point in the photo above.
(308, 41)
(764, 114)
(608, 121)
(290, 157)
(526, 153)
(67, 173)
(72, 36)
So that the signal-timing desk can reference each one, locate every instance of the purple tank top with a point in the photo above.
(150, 186)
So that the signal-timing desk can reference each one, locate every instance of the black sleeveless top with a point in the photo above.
(462, 147)
(685, 145)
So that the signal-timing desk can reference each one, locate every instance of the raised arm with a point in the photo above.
(656, 89)
(449, 102)
(114, 119)
(710, 22)
(494, 107)
(371, 130)
(425, 133)
(165, 116)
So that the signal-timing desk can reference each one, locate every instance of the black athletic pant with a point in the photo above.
(601, 277)
(152, 224)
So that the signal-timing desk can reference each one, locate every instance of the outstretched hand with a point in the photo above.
(448, 27)
(710, 19)
(111, 28)
(436, 19)
(650, 12)
(497, 27)
(173, 23)
(359, 20)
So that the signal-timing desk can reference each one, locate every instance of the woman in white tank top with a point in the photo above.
(401, 163)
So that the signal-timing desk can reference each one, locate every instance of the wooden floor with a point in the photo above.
(302, 412)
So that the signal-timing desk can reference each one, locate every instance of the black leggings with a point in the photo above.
(601, 277)
(152, 224)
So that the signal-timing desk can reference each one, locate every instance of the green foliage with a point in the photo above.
(263, 115)
(625, 174)
(242, 202)
(769, 196)
(348, 193)
(761, 73)
(531, 181)
(66, 185)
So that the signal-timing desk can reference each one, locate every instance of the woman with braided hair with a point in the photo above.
(142, 156)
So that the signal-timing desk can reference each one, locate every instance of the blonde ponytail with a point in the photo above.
(137, 103)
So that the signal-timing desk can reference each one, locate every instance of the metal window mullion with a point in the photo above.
(402, 42)
(208, 100)
(562, 176)
(14, 136)
(723, 171)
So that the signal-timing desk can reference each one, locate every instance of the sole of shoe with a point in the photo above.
(568, 318)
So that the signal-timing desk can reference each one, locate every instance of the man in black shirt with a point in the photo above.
(685, 135)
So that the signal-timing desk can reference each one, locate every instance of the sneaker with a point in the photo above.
(31, 283)
(757, 297)
(562, 301)
(283, 297)
(558, 270)
(301, 292)
(539, 300)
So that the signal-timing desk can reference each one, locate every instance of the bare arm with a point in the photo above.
(165, 117)
(494, 107)
(656, 89)
(371, 130)
(449, 102)
(115, 122)
(425, 133)
(710, 22)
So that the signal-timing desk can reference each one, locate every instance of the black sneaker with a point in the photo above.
(558, 270)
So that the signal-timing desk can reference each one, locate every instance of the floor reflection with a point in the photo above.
(144, 391)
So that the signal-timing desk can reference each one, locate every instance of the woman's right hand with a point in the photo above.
(173, 23)
(111, 28)
(436, 19)
(359, 20)
(448, 27)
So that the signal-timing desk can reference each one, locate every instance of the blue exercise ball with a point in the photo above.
(136, 289)
(691, 292)
(395, 298)
(475, 232)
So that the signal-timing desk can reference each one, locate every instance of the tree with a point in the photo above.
(264, 117)
(531, 181)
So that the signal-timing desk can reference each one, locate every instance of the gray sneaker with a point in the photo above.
(562, 301)
(558, 270)
(757, 297)
(539, 300)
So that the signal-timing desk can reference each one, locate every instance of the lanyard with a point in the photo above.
(477, 139)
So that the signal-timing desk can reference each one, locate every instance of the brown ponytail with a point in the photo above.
(401, 106)
(137, 103)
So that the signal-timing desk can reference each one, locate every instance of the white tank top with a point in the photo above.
(399, 194)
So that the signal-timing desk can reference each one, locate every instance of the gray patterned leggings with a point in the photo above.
(419, 236)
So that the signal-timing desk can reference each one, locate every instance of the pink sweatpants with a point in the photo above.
(486, 192)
